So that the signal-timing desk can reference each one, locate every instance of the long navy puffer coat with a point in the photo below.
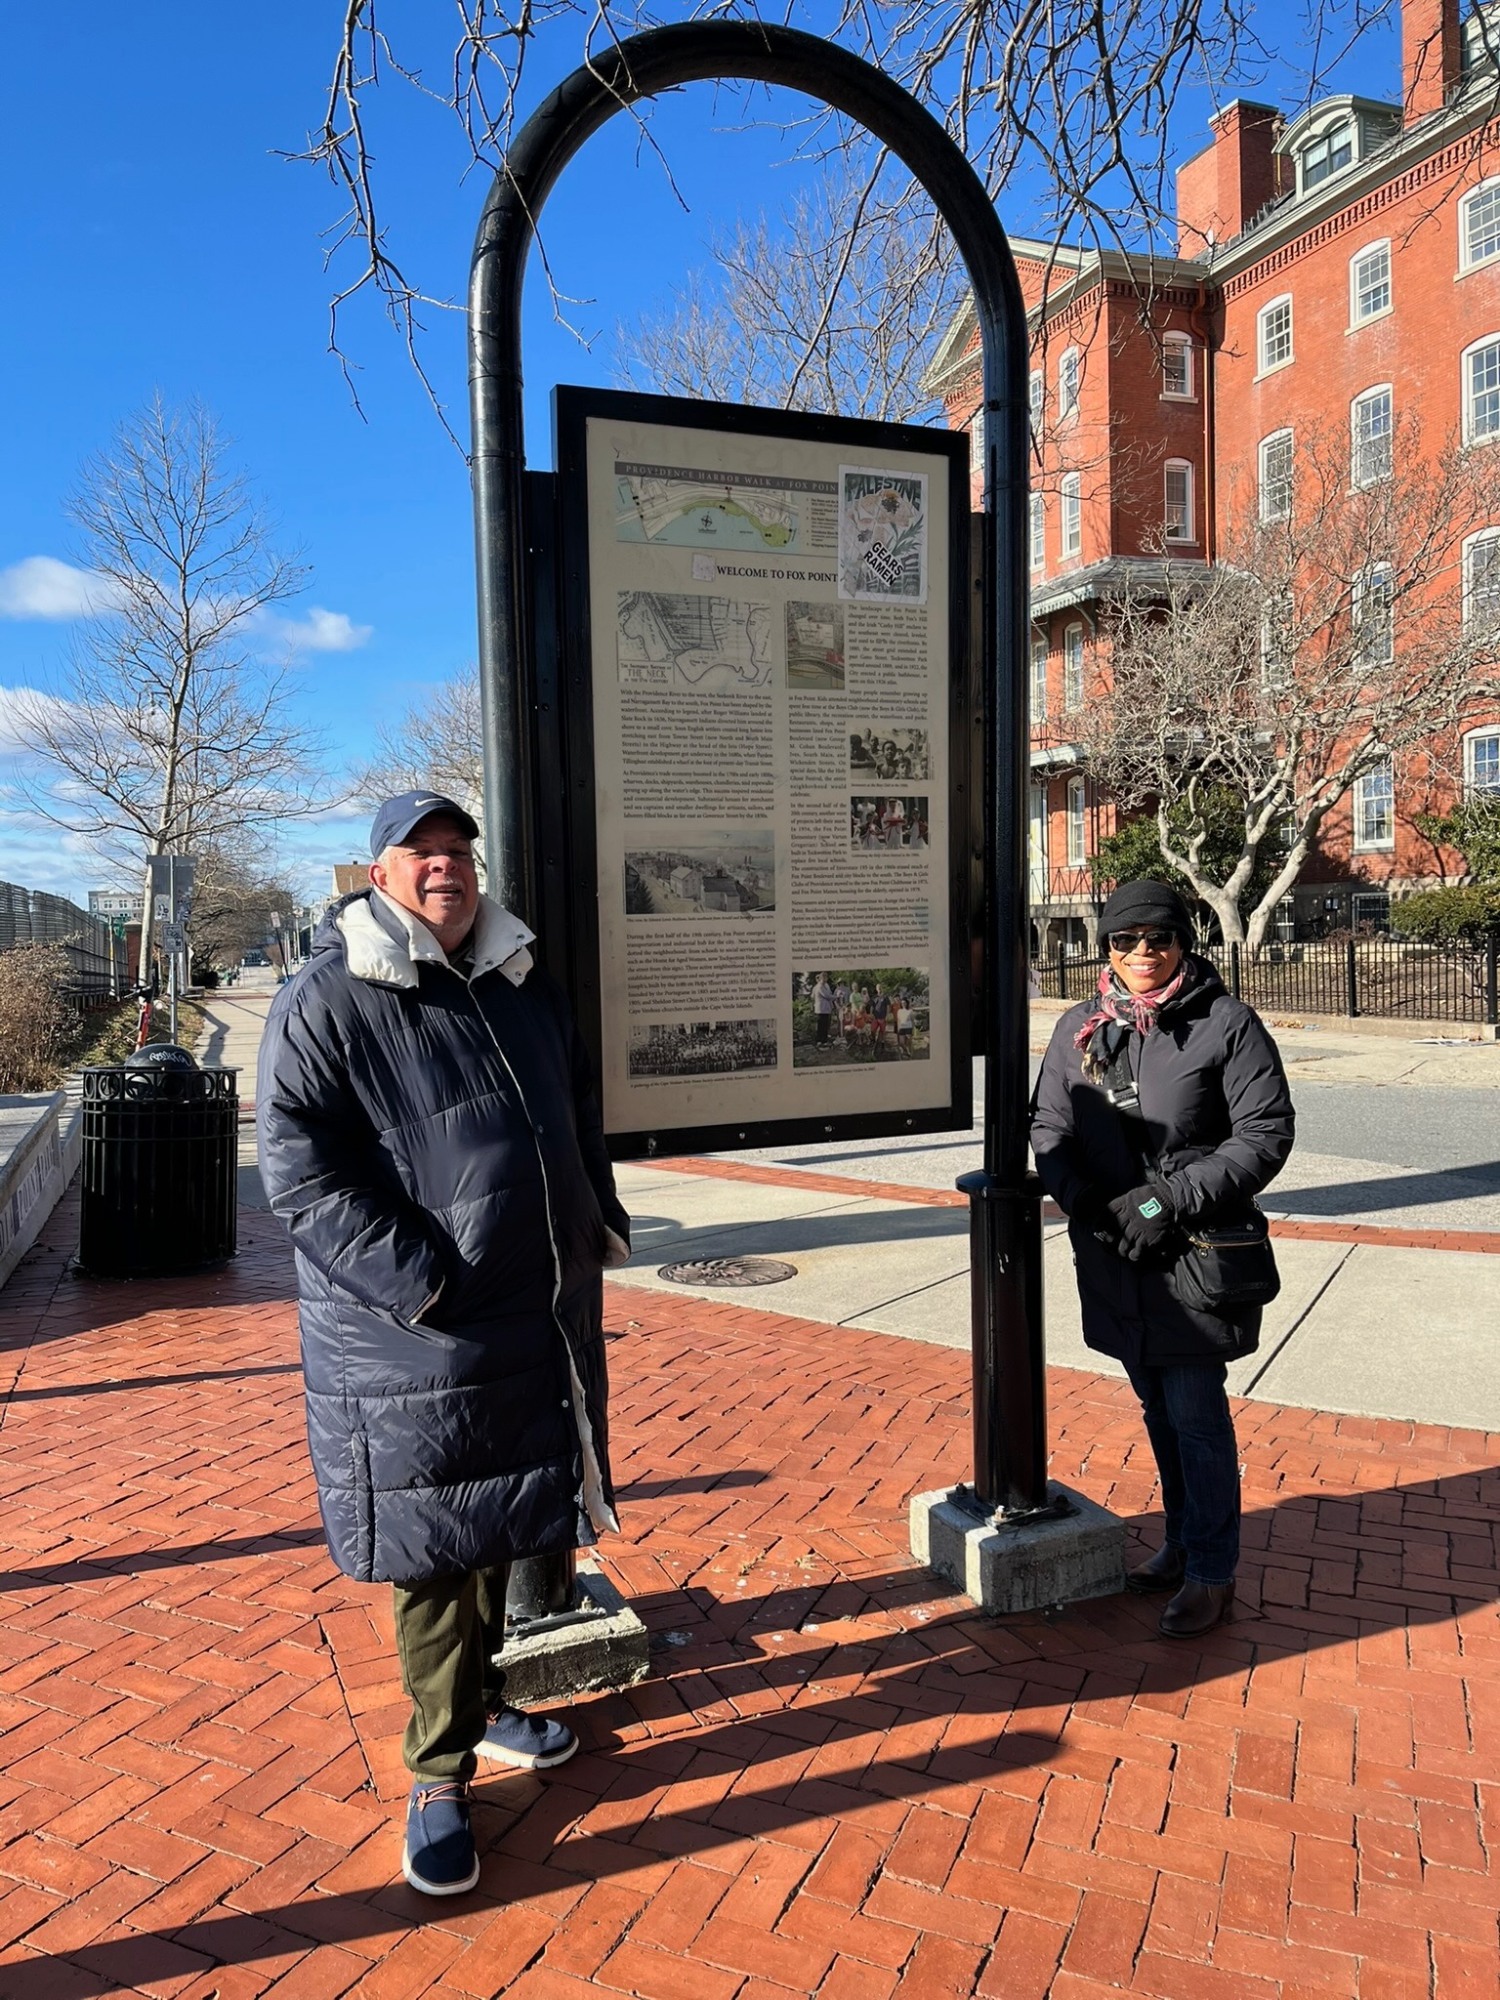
(1219, 1123)
(433, 1145)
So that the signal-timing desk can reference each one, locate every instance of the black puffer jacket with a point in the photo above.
(1218, 1118)
(433, 1145)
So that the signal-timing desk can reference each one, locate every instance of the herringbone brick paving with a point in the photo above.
(840, 1780)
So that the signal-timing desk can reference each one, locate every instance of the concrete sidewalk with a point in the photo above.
(1365, 1325)
(840, 1781)
(236, 1019)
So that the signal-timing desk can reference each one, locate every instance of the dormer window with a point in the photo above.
(1336, 135)
(1327, 155)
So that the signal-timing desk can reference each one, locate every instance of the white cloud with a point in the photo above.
(43, 587)
(19, 703)
(39, 855)
(319, 631)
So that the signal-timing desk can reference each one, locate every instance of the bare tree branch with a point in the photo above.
(1061, 104)
(806, 313)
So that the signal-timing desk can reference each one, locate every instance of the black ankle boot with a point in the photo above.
(1196, 1609)
(1164, 1571)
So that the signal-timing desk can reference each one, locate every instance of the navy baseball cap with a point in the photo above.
(395, 819)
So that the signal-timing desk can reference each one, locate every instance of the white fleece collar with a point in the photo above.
(371, 953)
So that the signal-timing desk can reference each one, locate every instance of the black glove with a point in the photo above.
(1145, 1218)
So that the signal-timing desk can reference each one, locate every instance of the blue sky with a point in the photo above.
(152, 240)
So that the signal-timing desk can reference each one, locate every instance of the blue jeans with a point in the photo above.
(1192, 1434)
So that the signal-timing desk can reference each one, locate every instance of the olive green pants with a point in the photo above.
(448, 1631)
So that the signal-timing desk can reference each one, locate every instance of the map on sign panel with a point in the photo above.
(676, 506)
(708, 645)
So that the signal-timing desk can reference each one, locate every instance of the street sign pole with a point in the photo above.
(171, 943)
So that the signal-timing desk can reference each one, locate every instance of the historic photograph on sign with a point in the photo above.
(735, 877)
(843, 1017)
(711, 645)
(814, 646)
(889, 825)
(889, 753)
(664, 1049)
(882, 536)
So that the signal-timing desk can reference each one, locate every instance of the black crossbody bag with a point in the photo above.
(1221, 1266)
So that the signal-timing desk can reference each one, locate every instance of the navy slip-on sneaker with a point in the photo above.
(439, 1857)
(528, 1742)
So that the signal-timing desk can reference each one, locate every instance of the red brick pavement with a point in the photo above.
(840, 1781)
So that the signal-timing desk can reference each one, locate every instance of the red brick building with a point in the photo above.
(1346, 260)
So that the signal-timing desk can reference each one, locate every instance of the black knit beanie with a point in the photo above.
(1146, 906)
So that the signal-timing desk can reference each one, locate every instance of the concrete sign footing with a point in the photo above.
(599, 1644)
(1024, 1565)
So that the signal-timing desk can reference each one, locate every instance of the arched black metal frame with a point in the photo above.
(1009, 1410)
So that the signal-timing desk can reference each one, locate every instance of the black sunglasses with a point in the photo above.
(1123, 941)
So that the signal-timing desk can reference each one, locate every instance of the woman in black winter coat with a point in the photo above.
(1162, 1104)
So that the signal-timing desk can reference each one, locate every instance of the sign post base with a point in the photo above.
(598, 1642)
(1072, 1551)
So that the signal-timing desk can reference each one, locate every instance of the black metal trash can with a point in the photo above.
(160, 1159)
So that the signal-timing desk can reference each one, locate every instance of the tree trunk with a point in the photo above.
(1291, 868)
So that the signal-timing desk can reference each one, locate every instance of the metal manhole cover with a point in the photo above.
(728, 1271)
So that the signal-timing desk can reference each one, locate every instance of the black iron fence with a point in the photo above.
(1382, 978)
(95, 954)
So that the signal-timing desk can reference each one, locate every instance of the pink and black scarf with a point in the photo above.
(1125, 1010)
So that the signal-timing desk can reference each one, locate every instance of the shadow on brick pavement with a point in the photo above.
(840, 1780)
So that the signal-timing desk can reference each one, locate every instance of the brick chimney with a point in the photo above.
(1431, 55)
(1220, 189)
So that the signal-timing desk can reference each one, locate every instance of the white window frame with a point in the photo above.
(1072, 513)
(1180, 344)
(1263, 364)
(1377, 584)
(1275, 659)
(1489, 732)
(1037, 814)
(1336, 128)
(1189, 529)
(1283, 513)
(1037, 531)
(1357, 318)
(1362, 842)
(1078, 823)
(1466, 389)
(1487, 191)
(1041, 653)
(1472, 545)
(976, 441)
(1362, 472)
(1036, 398)
(1069, 382)
(1074, 656)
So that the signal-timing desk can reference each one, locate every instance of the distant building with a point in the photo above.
(349, 877)
(126, 903)
(722, 892)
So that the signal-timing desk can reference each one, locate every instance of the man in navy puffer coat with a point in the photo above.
(429, 1136)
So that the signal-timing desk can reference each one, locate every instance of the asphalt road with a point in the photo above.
(1414, 1157)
